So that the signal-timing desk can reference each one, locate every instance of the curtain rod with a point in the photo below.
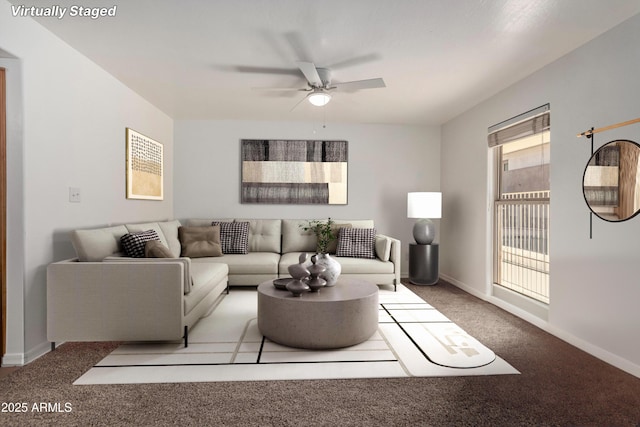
(617, 125)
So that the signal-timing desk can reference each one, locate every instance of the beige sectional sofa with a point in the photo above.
(104, 296)
(275, 244)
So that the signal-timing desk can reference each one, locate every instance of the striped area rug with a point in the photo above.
(413, 340)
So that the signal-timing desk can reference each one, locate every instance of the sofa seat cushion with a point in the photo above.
(202, 273)
(251, 263)
(349, 265)
(288, 259)
(205, 277)
(364, 266)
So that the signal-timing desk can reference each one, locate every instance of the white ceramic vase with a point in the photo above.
(333, 268)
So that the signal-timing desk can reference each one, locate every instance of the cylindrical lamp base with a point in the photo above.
(423, 264)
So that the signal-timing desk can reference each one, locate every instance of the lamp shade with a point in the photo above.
(424, 205)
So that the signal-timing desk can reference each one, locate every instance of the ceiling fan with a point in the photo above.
(319, 84)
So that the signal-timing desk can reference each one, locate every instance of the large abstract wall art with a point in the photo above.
(294, 172)
(144, 167)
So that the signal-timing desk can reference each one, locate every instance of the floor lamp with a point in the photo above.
(423, 255)
(424, 206)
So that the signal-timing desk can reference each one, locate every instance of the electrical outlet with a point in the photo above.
(74, 195)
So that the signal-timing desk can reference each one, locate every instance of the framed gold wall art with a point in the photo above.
(145, 167)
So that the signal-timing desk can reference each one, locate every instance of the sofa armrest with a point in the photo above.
(114, 301)
(185, 261)
(394, 255)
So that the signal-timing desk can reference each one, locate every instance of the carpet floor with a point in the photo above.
(558, 385)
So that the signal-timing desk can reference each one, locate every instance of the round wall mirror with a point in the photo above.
(611, 181)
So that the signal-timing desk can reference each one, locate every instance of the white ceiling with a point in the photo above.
(192, 58)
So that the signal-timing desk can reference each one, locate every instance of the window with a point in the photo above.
(521, 206)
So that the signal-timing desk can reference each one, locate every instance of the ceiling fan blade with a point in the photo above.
(297, 44)
(359, 60)
(359, 84)
(264, 70)
(310, 73)
(280, 89)
(298, 103)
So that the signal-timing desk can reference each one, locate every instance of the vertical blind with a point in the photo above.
(530, 123)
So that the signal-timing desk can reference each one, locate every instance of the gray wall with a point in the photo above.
(385, 162)
(15, 204)
(67, 129)
(71, 133)
(595, 284)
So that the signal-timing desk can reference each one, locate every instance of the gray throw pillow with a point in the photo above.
(199, 242)
(155, 249)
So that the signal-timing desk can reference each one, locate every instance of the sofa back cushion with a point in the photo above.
(170, 231)
(356, 223)
(264, 234)
(137, 228)
(200, 222)
(295, 239)
(167, 232)
(97, 244)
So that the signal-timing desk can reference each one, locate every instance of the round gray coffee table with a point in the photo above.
(339, 316)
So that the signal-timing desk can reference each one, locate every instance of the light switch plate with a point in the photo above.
(74, 195)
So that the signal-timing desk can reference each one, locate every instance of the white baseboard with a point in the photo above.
(600, 353)
(583, 345)
(13, 359)
(21, 359)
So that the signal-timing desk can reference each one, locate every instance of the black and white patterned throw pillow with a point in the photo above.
(234, 237)
(133, 243)
(356, 243)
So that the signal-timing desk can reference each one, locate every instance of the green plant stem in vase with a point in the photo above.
(325, 236)
(323, 233)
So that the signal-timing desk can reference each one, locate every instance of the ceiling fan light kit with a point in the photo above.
(319, 98)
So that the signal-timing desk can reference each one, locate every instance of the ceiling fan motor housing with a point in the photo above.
(325, 76)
